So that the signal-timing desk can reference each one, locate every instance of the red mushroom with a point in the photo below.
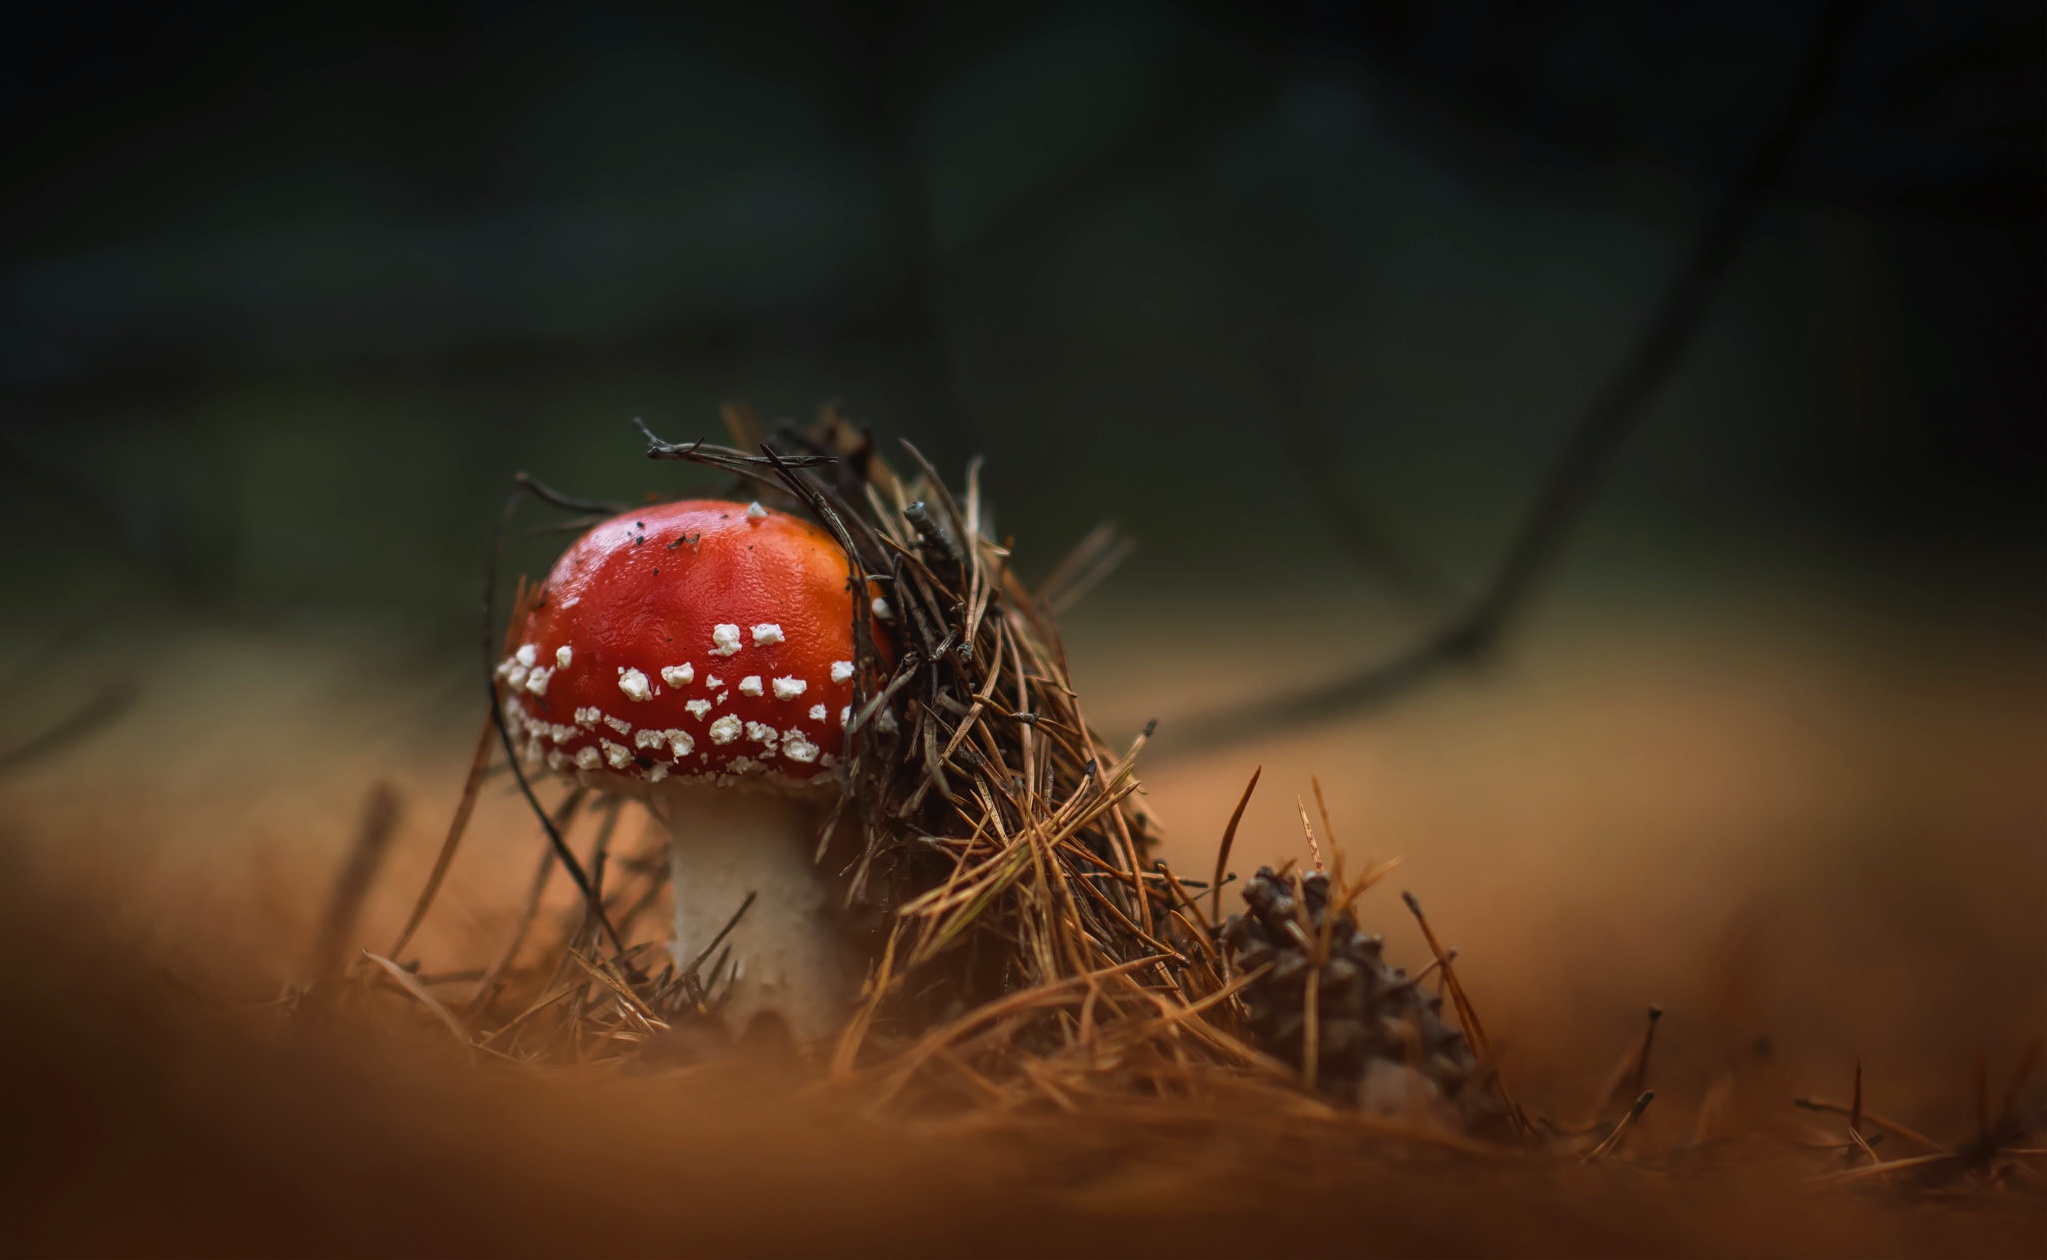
(699, 655)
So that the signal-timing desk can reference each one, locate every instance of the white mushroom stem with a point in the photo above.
(726, 842)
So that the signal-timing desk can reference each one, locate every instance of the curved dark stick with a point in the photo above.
(106, 705)
(1616, 411)
(523, 485)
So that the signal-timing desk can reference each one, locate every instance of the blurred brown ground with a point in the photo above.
(1808, 821)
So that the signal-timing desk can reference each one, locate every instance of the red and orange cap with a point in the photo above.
(691, 639)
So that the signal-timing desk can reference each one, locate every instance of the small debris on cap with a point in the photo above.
(634, 684)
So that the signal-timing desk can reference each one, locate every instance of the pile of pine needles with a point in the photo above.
(1033, 944)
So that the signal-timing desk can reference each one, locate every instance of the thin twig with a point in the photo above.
(523, 485)
(472, 786)
(486, 988)
(352, 885)
(1467, 1014)
(410, 983)
(1620, 1131)
(1615, 412)
(1229, 840)
(99, 711)
(1872, 1118)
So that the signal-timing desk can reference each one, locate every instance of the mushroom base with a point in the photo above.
(726, 842)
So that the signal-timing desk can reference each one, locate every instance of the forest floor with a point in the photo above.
(1799, 825)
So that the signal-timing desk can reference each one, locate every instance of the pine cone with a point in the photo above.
(1381, 1042)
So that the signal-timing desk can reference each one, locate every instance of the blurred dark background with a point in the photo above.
(288, 292)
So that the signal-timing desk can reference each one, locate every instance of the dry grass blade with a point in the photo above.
(458, 826)
(352, 886)
(1466, 1013)
(723, 932)
(1322, 809)
(1308, 833)
(1620, 1131)
(486, 989)
(1229, 840)
(1868, 1171)
(1871, 1118)
(1630, 1076)
(1090, 562)
(410, 984)
(1855, 1105)
(2007, 1112)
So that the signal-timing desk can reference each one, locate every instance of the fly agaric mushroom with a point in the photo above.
(699, 656)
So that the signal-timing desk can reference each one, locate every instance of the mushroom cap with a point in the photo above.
(698, 639)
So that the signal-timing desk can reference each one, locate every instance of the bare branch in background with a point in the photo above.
(102, 709)
(896, 37)
(1616, 411)
(1311, 450)
(380, 813)
(1171, 141)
